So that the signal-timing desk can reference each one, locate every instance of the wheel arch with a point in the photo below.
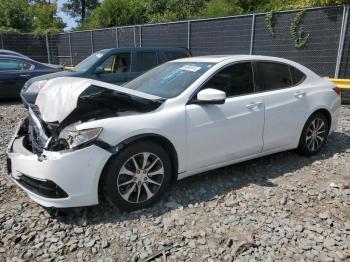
(325, 112)
(156, 138)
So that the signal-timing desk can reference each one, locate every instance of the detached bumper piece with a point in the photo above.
(44, 188)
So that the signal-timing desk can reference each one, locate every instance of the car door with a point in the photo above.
(115, 69)
(285, 103)
(219, 133)
(13, 74)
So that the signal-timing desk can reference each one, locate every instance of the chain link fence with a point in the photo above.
(326, 52)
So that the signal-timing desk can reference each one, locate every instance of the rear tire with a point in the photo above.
(314, 134)
(137, 176)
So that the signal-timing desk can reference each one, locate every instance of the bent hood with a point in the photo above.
(78, 97)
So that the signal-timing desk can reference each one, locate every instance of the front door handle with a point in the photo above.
(24, 75)
(299, 94)
(254, 105)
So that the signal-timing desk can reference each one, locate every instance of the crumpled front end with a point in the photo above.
(54, 179)
(51, 158)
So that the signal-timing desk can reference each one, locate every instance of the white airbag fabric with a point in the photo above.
(59, 98)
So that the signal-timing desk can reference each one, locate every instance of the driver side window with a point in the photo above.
(234, 80)
(119, 63)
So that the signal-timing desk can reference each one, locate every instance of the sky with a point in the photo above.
(68, 20)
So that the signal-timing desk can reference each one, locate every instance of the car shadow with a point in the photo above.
(10, 101)
(207, 186)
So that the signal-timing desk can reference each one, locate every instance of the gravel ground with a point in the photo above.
(283, 207)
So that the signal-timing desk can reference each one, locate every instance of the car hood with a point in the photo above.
(51, 76)
(70, 99)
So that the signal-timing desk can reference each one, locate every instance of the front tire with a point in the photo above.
(314, 134)
(137, 176)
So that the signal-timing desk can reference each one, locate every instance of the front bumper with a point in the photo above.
(57, 179)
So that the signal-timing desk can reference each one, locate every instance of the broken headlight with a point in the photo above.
(36, 86)
(71, 138)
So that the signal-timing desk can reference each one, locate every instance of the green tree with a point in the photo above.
(216, 8)
(45, 17)
(117, 13)
(80, 9)
(15, 15)
(170, 10)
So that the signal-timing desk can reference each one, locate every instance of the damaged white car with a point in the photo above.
(85, 137)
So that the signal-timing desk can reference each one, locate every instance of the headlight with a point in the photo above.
(72, 138)
(36, 86)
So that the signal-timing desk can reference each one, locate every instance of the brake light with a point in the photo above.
(337, 90)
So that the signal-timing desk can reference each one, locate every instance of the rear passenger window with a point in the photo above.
(147, 60)
(297, 76)
(274, 75)
(6, 64)
(234, 80)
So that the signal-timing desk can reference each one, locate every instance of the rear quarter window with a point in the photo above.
(297, 76)
(274, 75)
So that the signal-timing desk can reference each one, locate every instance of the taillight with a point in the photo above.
(337, 90)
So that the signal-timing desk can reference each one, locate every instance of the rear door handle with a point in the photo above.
(254, 105)
(299, 94)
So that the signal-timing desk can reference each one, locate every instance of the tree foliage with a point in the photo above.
(15, 15)
(117, 12)
(29, 16)
(80, 9)
(45, 17)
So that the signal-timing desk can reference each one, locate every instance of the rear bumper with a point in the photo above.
(335, 112)
(57, 179)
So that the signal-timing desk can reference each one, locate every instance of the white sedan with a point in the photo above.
(85, 137)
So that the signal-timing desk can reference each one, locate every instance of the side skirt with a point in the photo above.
(235, 161)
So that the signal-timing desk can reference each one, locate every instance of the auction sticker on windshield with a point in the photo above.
(190, 68)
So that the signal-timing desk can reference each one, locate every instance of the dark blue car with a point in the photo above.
(15, 70)
(116, 66)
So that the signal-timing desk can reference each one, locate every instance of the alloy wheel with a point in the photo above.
(315, 134)
(140, 177)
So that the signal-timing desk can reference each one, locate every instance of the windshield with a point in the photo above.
(89, 61)
(170, 79)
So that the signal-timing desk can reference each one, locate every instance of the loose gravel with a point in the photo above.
(283, 207)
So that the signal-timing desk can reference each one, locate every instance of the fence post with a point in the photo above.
(92, 42)
(70, 49)
(116, 37)
(188, 35)
(48, 48)
(341, 40)
(2, 41)
(134, 36)
(252, 35)
(140, 35)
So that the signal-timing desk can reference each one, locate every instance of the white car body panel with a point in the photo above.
(204, 136)
(220, 126)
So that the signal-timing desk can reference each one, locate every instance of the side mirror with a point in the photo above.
(211, 96)
(99, 70)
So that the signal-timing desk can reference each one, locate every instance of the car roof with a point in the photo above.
(132, 49)
(222, 58)
(24, 58)
(10, 52)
